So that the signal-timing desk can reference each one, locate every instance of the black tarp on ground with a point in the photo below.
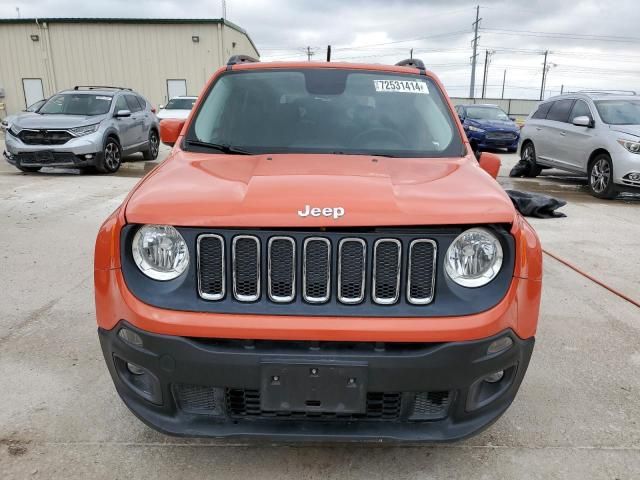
(536, 204)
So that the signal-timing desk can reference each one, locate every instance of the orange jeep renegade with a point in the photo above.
(320, 257)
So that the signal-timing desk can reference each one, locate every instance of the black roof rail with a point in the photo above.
(411, 62)
(608, 92)
(235, 59)
(99, 87)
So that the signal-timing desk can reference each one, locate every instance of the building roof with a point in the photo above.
(132, 21)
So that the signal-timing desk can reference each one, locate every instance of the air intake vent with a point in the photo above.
(387, 254)
(246, 268)
(282, 269)
(316, 269)
(211, 277)
(351, 270)
(421, 278)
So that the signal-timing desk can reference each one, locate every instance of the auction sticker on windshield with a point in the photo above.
(401, 86)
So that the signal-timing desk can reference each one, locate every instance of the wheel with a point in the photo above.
(28, 169)
(154, 146)
(111, 157)
(528, 155)
(601, 177)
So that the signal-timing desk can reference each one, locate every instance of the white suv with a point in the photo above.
(593, 133)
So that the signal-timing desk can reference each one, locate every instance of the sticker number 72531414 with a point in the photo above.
(401, 86)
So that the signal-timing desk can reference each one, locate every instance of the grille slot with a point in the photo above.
(316, 264)
(282, 269)
(387, 254)
(246, 268)
(430, 405)
(199, 399)
(211, 271)
(351, 270)
(420, 277)
(243, 403)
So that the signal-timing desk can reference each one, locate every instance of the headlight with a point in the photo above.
(14, 131)
(633, 147)
(475, 129)
(160, 252)
(474, 258)
(80, 131)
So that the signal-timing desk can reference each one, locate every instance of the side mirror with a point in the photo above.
(490, 163)
(582, 121)
(461, 117)
(170, 129)
(160, 107)
(122, 113)
(513, 119)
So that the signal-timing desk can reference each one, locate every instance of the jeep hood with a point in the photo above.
(39, 121)
(195, 189)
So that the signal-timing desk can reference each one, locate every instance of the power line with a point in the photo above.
(565, 36)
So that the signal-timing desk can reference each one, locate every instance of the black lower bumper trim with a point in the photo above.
(412, 392)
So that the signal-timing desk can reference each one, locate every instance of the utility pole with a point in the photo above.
(18, 11)
(310, 54)
(544, 74)
(561, 89)
(504, 78)
(328, 53)
(474, 58)
(411, 54)
(487, 60)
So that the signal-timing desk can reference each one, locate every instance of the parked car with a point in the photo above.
(596, 133)
(8, 120)
(87, 127)
(320, 257)
(177, 107)
(489, 127)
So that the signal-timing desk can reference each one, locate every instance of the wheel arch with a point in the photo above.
(594, 154)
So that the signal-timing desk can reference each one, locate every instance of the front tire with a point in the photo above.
(111, 157)
(528, 154)
(601, 177)
(154, 146)
(28, 169)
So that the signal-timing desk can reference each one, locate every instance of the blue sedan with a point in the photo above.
(487, 127)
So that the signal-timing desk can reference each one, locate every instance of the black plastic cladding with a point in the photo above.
(450, 299)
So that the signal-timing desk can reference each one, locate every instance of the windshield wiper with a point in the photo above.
(230, 149)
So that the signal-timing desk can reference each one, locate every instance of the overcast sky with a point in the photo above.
(591, 43)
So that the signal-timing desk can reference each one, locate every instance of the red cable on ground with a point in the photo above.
(594, 280)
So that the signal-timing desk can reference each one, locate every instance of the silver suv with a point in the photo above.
(87, 127)
(596, 133)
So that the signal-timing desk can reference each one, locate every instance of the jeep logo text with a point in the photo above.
(308, 210)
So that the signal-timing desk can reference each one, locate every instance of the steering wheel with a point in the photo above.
(378, 135)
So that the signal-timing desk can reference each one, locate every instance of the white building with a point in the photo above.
(159, 58)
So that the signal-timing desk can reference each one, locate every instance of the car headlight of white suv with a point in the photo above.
(160, 252)
(85, 130)
(630, 145)
(474, 258)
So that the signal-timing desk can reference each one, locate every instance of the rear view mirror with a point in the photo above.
(170, 129)
(582, 121)
(490, 163)
(123, 113)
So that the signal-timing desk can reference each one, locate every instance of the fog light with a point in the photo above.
(130, 336)
(135, 369)
(494, 377)
(499, 345)
(88, 156)
(635, 177)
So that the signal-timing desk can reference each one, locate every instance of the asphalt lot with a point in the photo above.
(577, 414)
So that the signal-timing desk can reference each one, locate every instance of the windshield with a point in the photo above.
(77, 104)
(327, 111)
(180, 104)
(619, 112)
(486, 113)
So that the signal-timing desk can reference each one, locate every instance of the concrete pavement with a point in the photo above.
(577, 414)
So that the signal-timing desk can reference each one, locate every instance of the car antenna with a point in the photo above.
(328, 53)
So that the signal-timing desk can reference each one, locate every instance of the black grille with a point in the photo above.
(386, 275)
(246, 272)
(430, 405)
(316, 270)
(281, 269)
(380, 406)
(46, 157)
(200, 399)
(211, 266)
(45, 137)
(351, 265)
(501, 136)
(421, 267)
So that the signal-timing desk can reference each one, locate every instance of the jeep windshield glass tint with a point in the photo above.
(486, 113)
(76, 104)
(180, 104)
(326, 111)
(619, 112)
